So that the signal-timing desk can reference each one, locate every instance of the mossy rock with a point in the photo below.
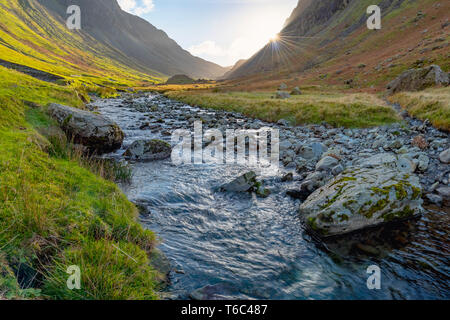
(363, 197)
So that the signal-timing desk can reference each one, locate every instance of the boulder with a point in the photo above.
(152, 150)
(373, 193)
(282, 95)
(419, 79)
(444, 192)
(326, 163)
(445, 156)
(97, 133)
(246, 183)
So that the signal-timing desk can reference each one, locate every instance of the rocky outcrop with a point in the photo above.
(152, 150)
(97, 133)
(378, 190)
(419, 79)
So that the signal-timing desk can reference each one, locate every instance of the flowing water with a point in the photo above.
(247, 247)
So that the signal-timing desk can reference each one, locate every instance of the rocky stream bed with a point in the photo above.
(296, 239)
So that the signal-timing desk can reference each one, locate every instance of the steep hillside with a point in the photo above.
(33, 35)
(330, 36)
(232, 69)
(135, 37)
(31, 38)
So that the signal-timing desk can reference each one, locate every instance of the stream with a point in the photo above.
(237, 246)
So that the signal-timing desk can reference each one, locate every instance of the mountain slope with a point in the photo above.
(332, 34)
(35, 36)
(140, 41)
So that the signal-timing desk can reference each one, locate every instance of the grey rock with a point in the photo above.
(326, 163)
(318, 149)
(434, 199)
(243, 183)
(282, 95)
(444, 192)
(337, 170)
(405, 164)
(418, 79)
(246, 183)
(287, 177)
(423, 163)
(96, 132)
(151, 150)
(363, 197)
(445, 156)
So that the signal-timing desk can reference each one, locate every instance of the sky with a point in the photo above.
(221, 31)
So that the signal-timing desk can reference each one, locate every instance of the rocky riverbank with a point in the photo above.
(314, 157)
(197, 219)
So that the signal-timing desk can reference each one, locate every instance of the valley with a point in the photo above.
(87, 120)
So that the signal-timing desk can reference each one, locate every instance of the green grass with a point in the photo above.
(347, 110)
(432, 104)
(58, 208)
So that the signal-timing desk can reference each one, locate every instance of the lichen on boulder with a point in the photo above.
(361, 197)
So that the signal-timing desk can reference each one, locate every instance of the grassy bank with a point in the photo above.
(57, 209)
(338, 109)
(432, 104)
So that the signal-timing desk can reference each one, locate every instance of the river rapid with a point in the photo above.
(238, 246)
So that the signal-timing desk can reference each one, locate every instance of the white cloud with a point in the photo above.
(240, 48)
(207, 48)
(135, 7)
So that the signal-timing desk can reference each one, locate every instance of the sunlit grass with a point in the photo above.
(337, 109)
(59, 208)
(431, 104)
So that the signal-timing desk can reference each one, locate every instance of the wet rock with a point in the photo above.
(160, 262)
(363, 197)
(300, 193)
(434, 199)
(152, 150)
(246, 183)
(221, 291)
(94, 131)
(287, 177)
(419, 79)
(445, 156)
(326, 163)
